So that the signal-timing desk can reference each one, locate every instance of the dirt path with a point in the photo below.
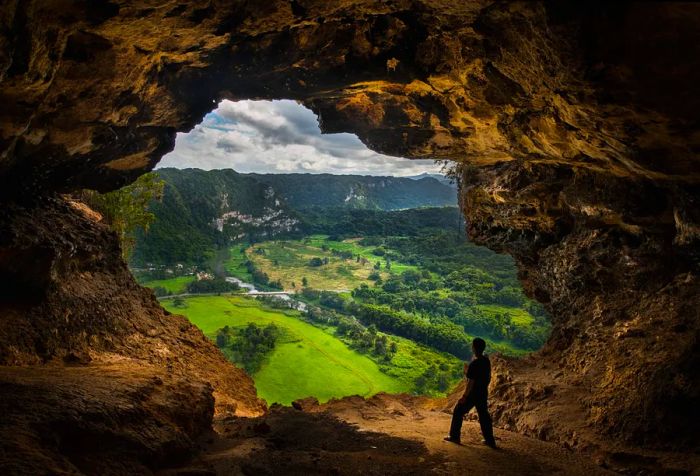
(380, 436)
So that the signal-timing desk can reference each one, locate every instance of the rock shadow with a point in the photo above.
(289, 441)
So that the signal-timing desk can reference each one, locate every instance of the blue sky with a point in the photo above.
(279, 137)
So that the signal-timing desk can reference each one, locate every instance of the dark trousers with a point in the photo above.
(484, 418)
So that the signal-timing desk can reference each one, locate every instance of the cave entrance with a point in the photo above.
(322, 268)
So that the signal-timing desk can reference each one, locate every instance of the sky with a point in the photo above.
(280, 137)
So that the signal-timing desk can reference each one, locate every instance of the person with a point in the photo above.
(478, 374)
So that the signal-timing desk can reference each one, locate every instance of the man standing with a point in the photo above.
(476, 394)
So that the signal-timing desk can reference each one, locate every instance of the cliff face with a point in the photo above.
(575, 131)
(611, 262)
(95, 376)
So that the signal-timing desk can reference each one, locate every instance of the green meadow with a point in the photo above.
(353, 245)
(311, 361)
(235, 263)
(177, 285)
(287, 261)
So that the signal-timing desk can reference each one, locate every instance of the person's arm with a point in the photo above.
(470, 385)
(469, 372)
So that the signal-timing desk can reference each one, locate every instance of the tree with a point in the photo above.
(443, 382)
(216, 285)
(420, 382)
(304, 281)
(251, 344)
(178, 302)
(125, 210)
(222, 337)
(380, 345)
(315, 262)
(160, 291)
(410, 277)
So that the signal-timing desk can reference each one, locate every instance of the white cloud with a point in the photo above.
(279, 137)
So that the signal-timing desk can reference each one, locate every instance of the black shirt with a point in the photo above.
(480, 372)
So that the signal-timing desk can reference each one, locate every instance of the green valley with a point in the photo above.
(316, 296)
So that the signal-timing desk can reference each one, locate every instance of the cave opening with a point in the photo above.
(579, 141)
(306, 235)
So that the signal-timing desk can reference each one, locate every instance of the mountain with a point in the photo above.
(204, 209)
(304, 191)
(439, 177)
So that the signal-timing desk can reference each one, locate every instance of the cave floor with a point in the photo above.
(378, 436)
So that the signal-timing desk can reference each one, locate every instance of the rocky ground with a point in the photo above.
(392, 435)
(133, 419)
(98, 419)
(368, 440)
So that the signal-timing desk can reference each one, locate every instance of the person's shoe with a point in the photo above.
(451, 440)
(490, 444)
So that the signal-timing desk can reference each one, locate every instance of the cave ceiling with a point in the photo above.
(94, 95)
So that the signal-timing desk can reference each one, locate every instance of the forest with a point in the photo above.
(439, 290)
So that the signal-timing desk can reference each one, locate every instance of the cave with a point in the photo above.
(574, 130)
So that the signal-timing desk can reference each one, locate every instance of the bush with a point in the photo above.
(310, 293)
(216, 285)
(161, 291)
(315, 262)
(332, 300)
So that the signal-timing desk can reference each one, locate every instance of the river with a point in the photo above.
(282, 295)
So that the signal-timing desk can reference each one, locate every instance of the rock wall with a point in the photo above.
(68, 297)
(96, 377)
(574, 126)
(610, 260)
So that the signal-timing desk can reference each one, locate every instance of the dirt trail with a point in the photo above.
(381, 436)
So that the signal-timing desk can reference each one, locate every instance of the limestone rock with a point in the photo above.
(574, 127)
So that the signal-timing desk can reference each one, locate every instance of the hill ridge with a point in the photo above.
(208, 208)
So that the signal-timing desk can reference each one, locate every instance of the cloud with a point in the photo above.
(279, 137)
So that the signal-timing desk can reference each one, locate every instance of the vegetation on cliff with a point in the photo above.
(127, 210)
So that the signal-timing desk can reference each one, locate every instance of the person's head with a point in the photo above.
(478, 346)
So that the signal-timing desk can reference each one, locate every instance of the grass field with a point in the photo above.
(288, 262)
(309, 362)
(235, 263)
(352, 245)
(176, 285)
